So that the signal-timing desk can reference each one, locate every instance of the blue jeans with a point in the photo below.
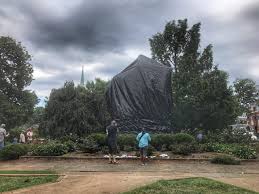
(1, 145)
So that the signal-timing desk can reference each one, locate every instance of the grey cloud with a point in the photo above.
(62, 37)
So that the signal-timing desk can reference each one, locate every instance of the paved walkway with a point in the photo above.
(96, 177)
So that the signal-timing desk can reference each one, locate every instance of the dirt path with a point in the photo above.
(94, 177)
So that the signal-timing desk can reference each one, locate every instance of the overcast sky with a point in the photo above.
(105, 36)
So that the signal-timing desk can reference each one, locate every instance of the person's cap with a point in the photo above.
(3, 125)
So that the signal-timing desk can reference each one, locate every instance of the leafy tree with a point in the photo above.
(246, 93)
(75, 109)
(15, 74)
(201, 96)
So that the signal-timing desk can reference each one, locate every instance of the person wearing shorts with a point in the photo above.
(143, 139)
(112, 132)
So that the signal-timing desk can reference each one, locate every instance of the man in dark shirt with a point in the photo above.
(111, 132)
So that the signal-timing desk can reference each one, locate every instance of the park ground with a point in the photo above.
(97, 176)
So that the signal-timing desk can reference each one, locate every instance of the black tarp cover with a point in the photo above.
(141, 94)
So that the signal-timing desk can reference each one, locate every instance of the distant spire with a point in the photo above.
(82, 81)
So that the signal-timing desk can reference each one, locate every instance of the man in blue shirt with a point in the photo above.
(143, 138)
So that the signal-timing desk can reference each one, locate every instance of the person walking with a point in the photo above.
(143, 139)
(112, 132)
(3, 134)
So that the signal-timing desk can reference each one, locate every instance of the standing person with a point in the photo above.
(143, 138)
(3, 134)
(29, 135)
(112, 132)
(22, 138)
(199, 137)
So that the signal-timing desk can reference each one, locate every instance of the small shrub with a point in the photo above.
(162, 141)
(228, 160)
(128, 148)
(88, 145)
(13, 151)
(183, 149)
(183, 138)
(70, 145)
(244, 152)
(50, 149)
(127, 140)
(66, 138)
(240, 151)
(99, 138)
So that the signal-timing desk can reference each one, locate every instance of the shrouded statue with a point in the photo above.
(140, 95)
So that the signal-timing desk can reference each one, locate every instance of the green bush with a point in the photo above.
(89, 145)
(127, 148)
(228, 135)
(241, 151)
(162, 141)
(228, 160)
(183, 149)
(183, 138)
(127, 140)
(13, 151)
(218, 147)
(99, 138)
(50, 149)
(66, 138)
(71, 146)
(244, 152)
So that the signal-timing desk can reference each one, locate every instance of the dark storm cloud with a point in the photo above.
(105, 36)
(94, 25)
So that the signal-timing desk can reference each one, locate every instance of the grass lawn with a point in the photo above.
(189, 186)
(26, 172)
(17, 182)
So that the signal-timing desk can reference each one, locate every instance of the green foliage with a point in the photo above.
(184, 148)
(201, 95)
(127, 140)
(99, 138)
(17, 104)
(246, 93)
(13, 151)
(37, 116)
(189, 185)
(71, 146)
(50, 149)
(160, 141)
(88, 145)
(241, 151)
(183, 138)
(223, 159)
(17, 182)
(244, 152)
(77, 110)
(229, 135)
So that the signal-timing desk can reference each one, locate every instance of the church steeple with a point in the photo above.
(82, 81)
